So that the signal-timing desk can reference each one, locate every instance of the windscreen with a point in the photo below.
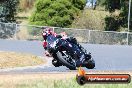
(51, 39)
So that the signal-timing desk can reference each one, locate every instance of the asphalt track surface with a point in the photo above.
(107, 57)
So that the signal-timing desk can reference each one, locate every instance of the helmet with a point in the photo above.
(46, 32)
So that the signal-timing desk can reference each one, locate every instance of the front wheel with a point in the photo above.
(66, 60)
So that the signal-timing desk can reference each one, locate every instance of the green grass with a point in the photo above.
(71, 83)
(49, 81)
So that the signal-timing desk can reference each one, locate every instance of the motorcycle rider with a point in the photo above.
(45, 34)
(62, 35)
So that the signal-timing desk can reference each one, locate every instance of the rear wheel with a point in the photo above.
(90, 64)
(66, 60)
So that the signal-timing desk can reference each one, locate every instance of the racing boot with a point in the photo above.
(88, 56)
(81, 48)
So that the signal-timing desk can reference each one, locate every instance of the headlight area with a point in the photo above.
(53, 45)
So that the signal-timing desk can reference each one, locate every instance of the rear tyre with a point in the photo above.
(63, 59)
(90, 64)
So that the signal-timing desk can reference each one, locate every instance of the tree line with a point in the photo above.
(62, 13)
(115, 21)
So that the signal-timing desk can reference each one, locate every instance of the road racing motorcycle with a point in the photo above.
(68, 54)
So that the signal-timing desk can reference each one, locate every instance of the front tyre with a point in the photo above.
(66, 60)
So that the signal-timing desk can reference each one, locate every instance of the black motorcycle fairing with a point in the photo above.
(62, 44)
(68, 53)
(73, 49)
(51, 40)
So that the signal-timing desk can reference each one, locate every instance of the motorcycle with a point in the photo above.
(68, 54)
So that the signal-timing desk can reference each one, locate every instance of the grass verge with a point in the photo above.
(49, 81)
(12, 59)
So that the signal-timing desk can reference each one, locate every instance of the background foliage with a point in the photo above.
(114, 22)
(8, 10)
(60, 13)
